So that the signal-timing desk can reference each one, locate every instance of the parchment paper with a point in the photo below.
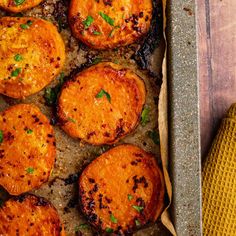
(73, 155)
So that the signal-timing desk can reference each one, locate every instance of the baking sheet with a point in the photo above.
(73, 155)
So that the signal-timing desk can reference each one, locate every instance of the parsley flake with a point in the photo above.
(113, 219)
(145, 116)
(29, 131)
(138, 208)
(137, 223)
(107, 18)
(96, 60)
(1, 136)
(96, 32)
(130, 197)
(89, 20)
(15, 72)
(18, 2)
(104, 93)
(27, 25)
(109, 230)
(30, 170)
(18, 57)
(50, 94)
(71, 120)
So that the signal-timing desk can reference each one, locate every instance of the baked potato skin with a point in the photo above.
(29, 215)
(32, 53)
(128, 21)
(27, 148)
(13, 6)
(117, 182)
(98, 118)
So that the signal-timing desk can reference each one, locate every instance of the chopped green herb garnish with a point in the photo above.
(30, 170)
(130, 197)
(1, 136)
(71, 120)
(154, 135)
(89, 20)
(50, 94)
(81, 226)
(27, 25)
(18, 2)
(107, 18)
(18, 57)
(97, 60)
(29, 131)
(138, 208)
(109, 230)
(24, 26)
(15, 72)
(145, 116)
(29, 22)
(137, 223)
(96, 32)
(104, 93)
(113, 219)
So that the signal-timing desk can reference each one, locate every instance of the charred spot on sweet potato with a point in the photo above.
(115, 205)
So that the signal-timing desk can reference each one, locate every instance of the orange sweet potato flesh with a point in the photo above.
(101, 104)
(27, 148)
(32, 53)
(122, 190)
(108, 24)
(14, 6)
(29, 215)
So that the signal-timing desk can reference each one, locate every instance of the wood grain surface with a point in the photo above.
(217, 64)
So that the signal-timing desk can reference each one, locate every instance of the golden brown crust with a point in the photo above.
(29, 215)
(27, 148)
(32, 53)
(122, 190)
(124, 21)
(102, 104)
(18, 6)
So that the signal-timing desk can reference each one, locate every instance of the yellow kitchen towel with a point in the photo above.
(219, 181)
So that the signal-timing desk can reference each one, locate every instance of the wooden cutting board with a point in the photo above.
(217, 64)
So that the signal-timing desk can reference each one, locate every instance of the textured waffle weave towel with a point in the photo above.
(219, 181)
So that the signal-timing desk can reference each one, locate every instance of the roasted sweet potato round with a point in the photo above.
(29, 215)
(27, 148)
(32, 53)
(108, 24)
(122, 190)
(101, 104)
(18, 5)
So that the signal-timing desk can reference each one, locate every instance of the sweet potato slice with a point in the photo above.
(18, 5)
(122, 190)
(27, 148)
(108, 24)
(29, 215)
(32, 53)
(101, 104)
